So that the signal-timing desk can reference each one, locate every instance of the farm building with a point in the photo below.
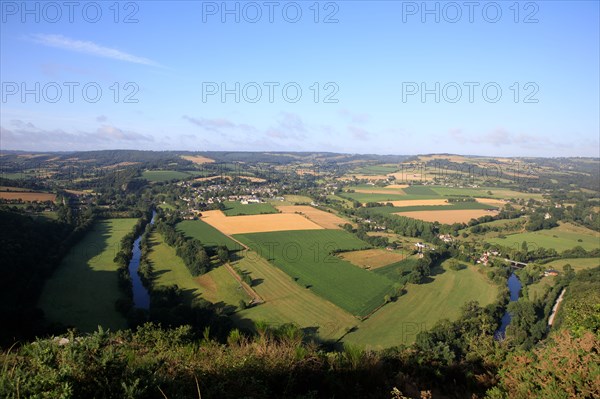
(551, 272)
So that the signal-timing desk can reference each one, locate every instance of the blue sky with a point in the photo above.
(369, 63)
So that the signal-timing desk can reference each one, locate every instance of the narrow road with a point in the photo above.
(555, 308)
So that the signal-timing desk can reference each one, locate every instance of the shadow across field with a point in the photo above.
(84, 289)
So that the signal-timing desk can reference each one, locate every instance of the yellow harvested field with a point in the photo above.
(397, 186)
(324, 219)
(372, 258)
(401, 204)
(258, 223)
(366, 177)
(448, 217)
(198, 159)
(253, 179)
(27, 196)
(492, 201)
(213, 178)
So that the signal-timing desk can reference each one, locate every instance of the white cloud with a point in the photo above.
(88, 47)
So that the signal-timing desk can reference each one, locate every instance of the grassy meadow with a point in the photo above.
(236, 208)
(422, 306)
(563, 237)
(157, 176)
(83, 290)
(206, 234)
(218, 285)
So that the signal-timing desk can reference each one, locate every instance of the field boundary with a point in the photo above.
(256, 299)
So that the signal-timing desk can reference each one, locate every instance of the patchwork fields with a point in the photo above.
(257, 223)
(286, 301)
(207, 234)
(489, 195)
(448, 216)
(324, 219)
(307, 257)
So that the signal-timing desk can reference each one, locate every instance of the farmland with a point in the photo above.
(305, 256)
(563, 237)
(257, 223)
(236, 208)
(493, 195)
(327, 220)
(424, 202)
(376, 170)
(576, 263)
(422, 306)
(164, 175)
(488, 192)
(398, 271)
(207, 234)
(27, 196)
(448, 216)
(372, 258)
(286, 301)
(197, 159)
(216, 286)
(363, 198)
(83, 290)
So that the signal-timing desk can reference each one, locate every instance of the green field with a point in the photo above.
(218, 285)
(422, 306)
(306, 257)
(386, 210)
(499, 193)
(560, 238)
(297, 199)
(539, 289)
(363, 198)
(577, 263)
(236, 208)
(397, 271)
(420, 190)
(375, 170)
(164, 175)
(207, 235)
(288, 302)
(83, 290)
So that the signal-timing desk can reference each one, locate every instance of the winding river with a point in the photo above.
(141, 298)
(514, 286)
